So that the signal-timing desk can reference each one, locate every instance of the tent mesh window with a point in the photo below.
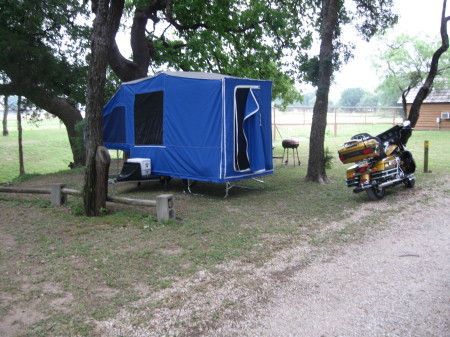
(148, 118)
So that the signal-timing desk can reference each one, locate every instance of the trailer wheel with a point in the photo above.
(375, 193)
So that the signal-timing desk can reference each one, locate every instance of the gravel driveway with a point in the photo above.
(395, 285)
(394, 282)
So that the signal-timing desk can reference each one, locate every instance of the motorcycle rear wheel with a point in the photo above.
(409, 183)
(375, 193)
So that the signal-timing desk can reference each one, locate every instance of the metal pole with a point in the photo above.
(274, 124)
(335, 122)
(425, 160)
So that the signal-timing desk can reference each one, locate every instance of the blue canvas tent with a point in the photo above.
(197, 126)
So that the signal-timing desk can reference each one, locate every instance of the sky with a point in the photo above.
(417, 17)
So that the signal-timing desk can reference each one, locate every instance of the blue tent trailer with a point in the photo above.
(194, 126)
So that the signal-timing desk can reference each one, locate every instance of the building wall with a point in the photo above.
(428, 114)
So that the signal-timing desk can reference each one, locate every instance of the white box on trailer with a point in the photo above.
(146, 165)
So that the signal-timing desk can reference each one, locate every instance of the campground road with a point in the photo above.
(397, 284)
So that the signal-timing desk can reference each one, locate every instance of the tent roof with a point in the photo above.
(185, 74)
(196, 75)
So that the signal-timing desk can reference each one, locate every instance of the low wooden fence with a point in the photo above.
(164, 203)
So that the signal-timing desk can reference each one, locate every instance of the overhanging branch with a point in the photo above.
(9, 90)
(426, 87)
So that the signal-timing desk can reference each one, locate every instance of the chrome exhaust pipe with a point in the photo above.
(392, 182)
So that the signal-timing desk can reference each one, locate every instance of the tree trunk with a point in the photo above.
(5, 117)
(316, 164)
(427, 86)
(107, 16)
(19, 129)
(95, 99)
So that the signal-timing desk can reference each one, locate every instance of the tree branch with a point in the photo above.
(141, 46)
(426, 87)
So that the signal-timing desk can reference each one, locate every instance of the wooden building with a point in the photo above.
(435, 110)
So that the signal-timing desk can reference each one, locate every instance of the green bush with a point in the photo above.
(328, 158)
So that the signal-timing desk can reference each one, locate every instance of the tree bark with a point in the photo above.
(427, 86)
(5, 117)
(316, 164)
(19, 129)
(107, 18)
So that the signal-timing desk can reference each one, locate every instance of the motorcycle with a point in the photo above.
(380, 161)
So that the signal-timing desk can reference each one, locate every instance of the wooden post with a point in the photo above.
(425, 159)
(335, 122)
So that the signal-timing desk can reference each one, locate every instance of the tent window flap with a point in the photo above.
(247, 123)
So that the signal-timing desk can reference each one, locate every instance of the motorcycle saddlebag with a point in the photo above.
(357, 150)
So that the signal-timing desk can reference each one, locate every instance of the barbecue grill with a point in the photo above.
(290, 143)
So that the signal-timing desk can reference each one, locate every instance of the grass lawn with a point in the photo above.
(65, 271)
(46, 149)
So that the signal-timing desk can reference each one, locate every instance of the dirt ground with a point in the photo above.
(390, 282)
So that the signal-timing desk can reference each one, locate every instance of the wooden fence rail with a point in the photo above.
(25, 190)
(129, 201)
(58, 195)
